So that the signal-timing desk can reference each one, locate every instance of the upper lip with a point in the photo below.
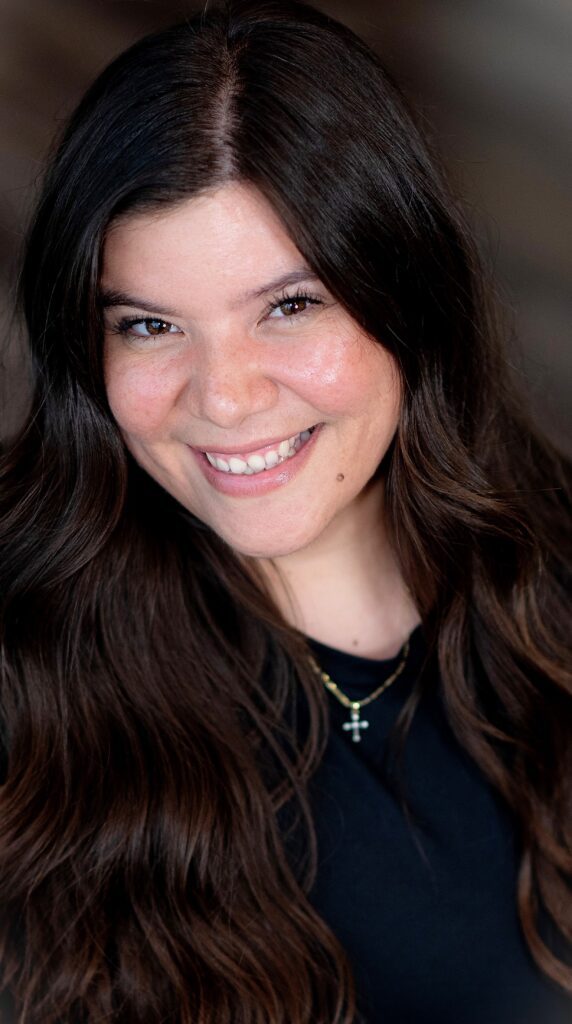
(242, 449)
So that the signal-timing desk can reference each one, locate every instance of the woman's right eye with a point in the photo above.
(146, 327)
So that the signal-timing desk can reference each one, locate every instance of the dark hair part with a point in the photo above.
(144, 871)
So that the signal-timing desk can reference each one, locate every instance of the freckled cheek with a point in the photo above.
(140, 398)
(343, 376)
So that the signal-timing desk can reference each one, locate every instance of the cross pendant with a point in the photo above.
(355, 725)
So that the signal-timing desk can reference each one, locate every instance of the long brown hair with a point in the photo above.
(150, 688)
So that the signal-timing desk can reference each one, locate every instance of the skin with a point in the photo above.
(229, 371)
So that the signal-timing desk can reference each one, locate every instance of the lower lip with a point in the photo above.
(241, 486)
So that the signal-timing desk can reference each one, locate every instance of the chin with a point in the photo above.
(269, 548)
(267, 551)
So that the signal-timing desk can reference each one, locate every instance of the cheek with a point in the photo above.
(140, 395)
(352, 375)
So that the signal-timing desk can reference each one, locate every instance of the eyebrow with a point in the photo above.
(293, 277)
(109, 298)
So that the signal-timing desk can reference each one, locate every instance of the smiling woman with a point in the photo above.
(242, 374)
(286, 703)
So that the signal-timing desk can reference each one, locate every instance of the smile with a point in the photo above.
(249, 482)
(258, 462)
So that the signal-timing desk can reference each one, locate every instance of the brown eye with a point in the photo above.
(157, 326)
(147, 327)
(292, 306)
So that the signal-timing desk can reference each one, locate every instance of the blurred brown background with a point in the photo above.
(493, 77)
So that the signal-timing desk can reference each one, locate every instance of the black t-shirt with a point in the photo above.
(428, 917)
(427, 912)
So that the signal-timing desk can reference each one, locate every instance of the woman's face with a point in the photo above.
(220, 340)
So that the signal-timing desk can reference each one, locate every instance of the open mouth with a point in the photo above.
(261, 462)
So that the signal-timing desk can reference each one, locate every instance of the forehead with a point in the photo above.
(230, 238)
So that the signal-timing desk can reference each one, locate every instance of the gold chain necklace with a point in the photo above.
(355, 706)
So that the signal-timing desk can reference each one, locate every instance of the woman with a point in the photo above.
(286, 695)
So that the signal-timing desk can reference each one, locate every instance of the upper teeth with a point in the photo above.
(257, 463)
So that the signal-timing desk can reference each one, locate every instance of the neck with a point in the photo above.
(346, 588)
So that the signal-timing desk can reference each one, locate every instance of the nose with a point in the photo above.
(229, 383)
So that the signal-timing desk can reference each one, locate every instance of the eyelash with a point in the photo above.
(282, 300)
(124, 326)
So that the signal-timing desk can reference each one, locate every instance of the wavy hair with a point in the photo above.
(144, 875)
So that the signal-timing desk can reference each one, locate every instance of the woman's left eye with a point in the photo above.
(291, 306)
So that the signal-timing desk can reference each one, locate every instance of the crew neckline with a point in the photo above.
(357, 674)
(416, 634)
